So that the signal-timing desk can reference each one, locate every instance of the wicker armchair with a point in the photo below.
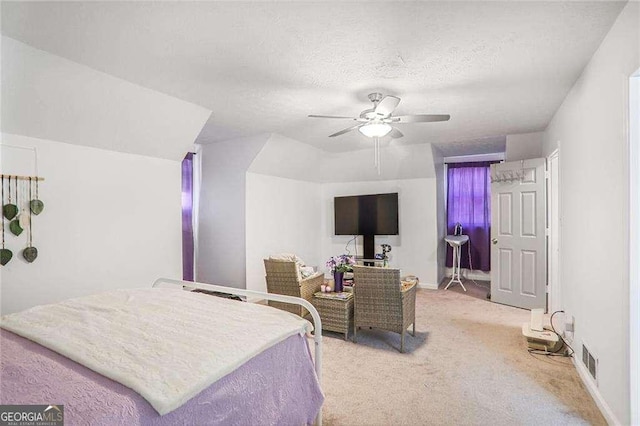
(380, 302)
(283, 278)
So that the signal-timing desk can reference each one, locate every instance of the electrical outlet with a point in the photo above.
(569, 323)
(569, 327)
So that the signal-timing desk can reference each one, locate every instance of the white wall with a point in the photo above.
(415, 249)
(111, 220)
(398, 161)
(49, 97)
(221, 253)
(591, 126)
(282, 216)
(524, 146)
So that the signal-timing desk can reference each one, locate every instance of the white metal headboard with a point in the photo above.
(317, 322)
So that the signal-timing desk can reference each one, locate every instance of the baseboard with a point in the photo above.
(595, 393)
(428, 286)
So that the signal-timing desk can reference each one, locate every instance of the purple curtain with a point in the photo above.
(187, 217)
(469, 202)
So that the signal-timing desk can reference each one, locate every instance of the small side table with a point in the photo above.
(336, 311)
(456, 242)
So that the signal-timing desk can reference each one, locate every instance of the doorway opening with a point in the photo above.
(466, 216)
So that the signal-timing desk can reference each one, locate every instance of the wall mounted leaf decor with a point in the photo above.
(36, 205)
(20, 216)
(15, 228)
(5, 254)
(30, 253)
(9, 210)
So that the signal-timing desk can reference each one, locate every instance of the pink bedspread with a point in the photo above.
(279, 386)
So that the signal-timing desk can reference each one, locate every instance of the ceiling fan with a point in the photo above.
(377, 122)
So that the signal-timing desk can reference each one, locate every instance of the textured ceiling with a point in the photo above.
(497, 67)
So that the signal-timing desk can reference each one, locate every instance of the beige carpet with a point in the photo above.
(467, 365)
(478, 288)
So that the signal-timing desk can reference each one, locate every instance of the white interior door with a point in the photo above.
(518, 249)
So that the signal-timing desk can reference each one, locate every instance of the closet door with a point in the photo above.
(518, 234)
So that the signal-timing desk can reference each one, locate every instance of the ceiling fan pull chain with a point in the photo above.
(375, 152)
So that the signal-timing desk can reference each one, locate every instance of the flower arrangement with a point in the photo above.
(340, 263)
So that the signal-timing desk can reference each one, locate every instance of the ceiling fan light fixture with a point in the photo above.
(375, 130)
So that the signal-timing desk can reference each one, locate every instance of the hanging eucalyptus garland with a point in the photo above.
(36, 205)
(14, 226)
(5, 254)
(30, 253)
(9, 210)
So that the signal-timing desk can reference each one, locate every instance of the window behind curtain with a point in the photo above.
(469, 202)
(187, 218)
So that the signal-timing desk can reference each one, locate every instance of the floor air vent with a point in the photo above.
(590, 362)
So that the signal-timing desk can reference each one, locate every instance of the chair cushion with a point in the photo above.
(289, 257)
(306, 271)
(286, 257)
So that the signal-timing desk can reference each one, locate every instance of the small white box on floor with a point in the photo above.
(537, 318)
(541, 340)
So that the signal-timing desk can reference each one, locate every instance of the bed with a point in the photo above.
(58, 355)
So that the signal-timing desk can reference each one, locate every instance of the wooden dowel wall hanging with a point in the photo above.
(30, 253)
(5, 254)
(19, 177)
(14, 225)
(20, 215)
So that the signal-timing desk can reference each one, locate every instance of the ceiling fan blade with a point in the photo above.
(395, 133)
(421, 118)
(347, 130)
(331, 116)
(386, 106)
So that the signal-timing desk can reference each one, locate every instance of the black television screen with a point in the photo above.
(366, 214)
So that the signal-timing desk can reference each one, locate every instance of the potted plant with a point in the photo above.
(338, 265)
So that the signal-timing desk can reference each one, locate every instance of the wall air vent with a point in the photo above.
(591, 362)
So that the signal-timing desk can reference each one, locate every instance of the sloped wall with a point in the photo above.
(49, 97)
(110, 152)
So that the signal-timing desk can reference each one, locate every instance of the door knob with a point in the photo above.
(494, 240)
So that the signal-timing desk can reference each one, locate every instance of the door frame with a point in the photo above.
(634, 246)
(554, 290)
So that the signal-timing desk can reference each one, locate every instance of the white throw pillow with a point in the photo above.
(306, 271)
(286, 257)
(290, 257)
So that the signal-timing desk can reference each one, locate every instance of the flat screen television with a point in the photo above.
(366, 214)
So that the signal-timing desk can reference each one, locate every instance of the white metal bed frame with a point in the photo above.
(317, 322)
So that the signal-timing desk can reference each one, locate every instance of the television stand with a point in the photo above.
(369, 248)
(370, 262)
